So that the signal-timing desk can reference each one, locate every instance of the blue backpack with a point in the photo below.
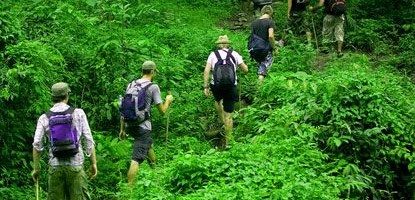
(258, 48)
(133, 104)
(63, 134)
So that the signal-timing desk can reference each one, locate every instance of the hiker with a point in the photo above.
(299, 18)
(64, 126)
(223, 64)
(264, 27)
(332, 24)
(259, 4)
(140, 128)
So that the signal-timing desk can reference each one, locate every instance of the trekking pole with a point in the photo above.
(314, 30)
(37, 189)
(240, 91)
(167, 127)
(167, 123)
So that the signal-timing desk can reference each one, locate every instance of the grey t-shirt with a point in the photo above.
(152, 97)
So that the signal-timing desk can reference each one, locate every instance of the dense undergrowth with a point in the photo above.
(341, 130)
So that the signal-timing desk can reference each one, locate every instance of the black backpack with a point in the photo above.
(262, 2)
(302, 2)
(258, 48)
(224, 70)
(337, 7)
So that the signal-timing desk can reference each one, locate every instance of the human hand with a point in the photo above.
(94, 171)
(35, 174)
(122, 135)
(207, 92)
(311, 8)
(275, 52)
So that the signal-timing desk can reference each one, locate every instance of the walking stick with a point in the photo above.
(314, 30)
(167, 123)
(37, 189)
(240, 91)
(167, 127)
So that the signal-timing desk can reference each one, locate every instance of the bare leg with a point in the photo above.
(219, 110)
(261, 78)
(228, 127)
(151, 157)
(339, 46)
(308, 35)
(132, 172)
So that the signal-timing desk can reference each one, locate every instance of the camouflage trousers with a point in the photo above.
(333, 29)
(67, 182)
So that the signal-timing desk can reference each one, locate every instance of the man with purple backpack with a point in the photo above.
(136, 117)
(64, 126)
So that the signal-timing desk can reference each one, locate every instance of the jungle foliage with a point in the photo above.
(342, 130)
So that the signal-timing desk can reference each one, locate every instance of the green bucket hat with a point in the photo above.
(60, 89)
(149, 65)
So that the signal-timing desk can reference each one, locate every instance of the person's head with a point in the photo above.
(148, 68)
(267, 9)
(223, 42)
(60, 92)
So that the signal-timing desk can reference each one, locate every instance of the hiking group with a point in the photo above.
(66, 127)
(300, 21)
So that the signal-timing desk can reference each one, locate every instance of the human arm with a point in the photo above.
(206, 74)
(94, 169)
(89, 141)
(244, 67)
(271, 39)
(162, 107)
(38, 146)
(36, 165)
(122, 133)
(290, 3)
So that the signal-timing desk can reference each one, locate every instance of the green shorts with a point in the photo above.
(299, 22)
(67, 182)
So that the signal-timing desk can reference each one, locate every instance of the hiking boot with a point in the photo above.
(339, 54)
(324, 51)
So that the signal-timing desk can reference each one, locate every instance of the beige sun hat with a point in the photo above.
(223, 39)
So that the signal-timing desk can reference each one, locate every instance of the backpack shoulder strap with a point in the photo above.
(70, 110)
(218, 55)
(229, 55)
(148, 85)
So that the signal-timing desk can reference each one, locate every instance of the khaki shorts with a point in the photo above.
(333, 28)
(67, 182)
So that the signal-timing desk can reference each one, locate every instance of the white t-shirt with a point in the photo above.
(212, 60)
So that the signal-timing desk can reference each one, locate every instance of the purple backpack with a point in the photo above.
(63, 134)
(133, 104)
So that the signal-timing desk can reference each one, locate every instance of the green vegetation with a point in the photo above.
(318, 128)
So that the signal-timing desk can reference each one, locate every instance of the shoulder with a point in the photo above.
(235, 53)
(270, 21)
(213, 53)
(154, 87)
(79, 112)
(43, 117)
(211, 56)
